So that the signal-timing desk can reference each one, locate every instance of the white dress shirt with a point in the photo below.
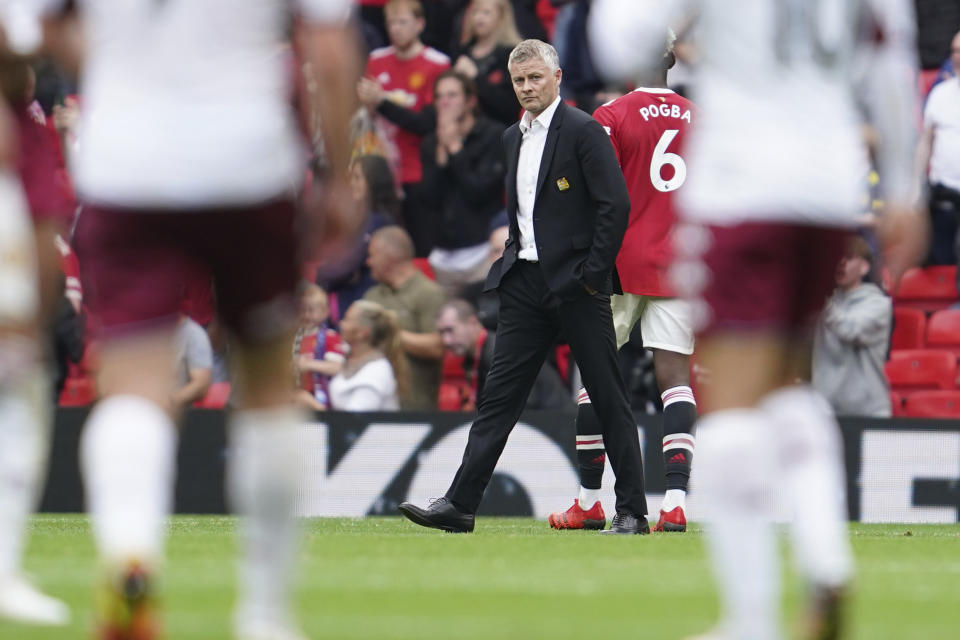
(942, 113)
(534, 131)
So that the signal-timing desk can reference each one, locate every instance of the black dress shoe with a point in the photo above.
(628, 524)
(441, 514)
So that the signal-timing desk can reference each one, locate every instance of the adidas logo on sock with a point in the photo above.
(678, 458)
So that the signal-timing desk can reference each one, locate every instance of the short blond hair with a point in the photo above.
(533, 50)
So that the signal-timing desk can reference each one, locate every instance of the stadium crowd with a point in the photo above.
(428, 170)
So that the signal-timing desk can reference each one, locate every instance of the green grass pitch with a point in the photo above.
(385, 578)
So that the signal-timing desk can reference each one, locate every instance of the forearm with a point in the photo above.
(422, 345)
(334, 59)
(419, 122)
(192, 391)
(323, 367)
(868, 324)
(924, 150)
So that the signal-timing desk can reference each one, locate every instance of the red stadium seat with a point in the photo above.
(918, 369)
(943, 330)
(909, 328)
(217, 396)
(896, 403)
(78, 392)
(424, 265)
(930, 288)
(933, 404)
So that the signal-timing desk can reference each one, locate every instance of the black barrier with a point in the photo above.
(365, 464)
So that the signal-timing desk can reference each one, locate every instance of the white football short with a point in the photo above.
(18, 261)
(665, 323)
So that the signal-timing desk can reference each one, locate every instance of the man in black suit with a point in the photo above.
(568, 208)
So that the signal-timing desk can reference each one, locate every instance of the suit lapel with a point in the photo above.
(513, 156)
(551, 146)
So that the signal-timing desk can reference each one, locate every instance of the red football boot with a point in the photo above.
(127, 607)
(577, 518)
(673, 520)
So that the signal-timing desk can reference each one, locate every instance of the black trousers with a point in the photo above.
(530, 319)
(944, 206)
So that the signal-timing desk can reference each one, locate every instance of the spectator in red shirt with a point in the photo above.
(398, 85)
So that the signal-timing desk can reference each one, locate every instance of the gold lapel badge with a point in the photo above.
(562, 184)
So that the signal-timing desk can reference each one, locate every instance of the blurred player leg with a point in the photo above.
(24, 410)
(742, 539)
(262, 478)
(258, 309)
(128, 460)
(812, 473)
(133, 277)
(737, 457)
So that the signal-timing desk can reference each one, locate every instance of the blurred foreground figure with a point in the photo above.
(28, 269)
(774, 177)
(191, 155)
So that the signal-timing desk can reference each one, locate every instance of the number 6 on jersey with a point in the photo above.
(660, 158)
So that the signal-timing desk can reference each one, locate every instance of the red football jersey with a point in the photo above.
(41, 167)
(408, 83)
(647, 128)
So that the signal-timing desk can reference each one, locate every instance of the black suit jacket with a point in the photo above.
(581, 208)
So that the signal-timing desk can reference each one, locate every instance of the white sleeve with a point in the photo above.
(627, 36)
(21, 21)
(325, 11)
(931, 108)
(886, 74)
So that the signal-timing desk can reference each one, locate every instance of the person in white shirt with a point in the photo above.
(773, 188)
(191, 154)
(375, 366)
(939, 162)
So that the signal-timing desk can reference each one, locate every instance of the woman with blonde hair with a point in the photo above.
(375, 371)
(489, 34)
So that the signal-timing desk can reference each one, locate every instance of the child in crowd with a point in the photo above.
(318, 351)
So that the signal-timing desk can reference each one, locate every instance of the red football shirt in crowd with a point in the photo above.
(647, 128)
(40, 165)
(408, 83)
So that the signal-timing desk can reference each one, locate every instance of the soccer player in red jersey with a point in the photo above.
(647, 128)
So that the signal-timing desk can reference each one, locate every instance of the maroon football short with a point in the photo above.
(764, 276)
(135, 264)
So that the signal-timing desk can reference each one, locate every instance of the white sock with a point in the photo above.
(672, 499)
(588, 498)
(24, 446)
(128, 458)
(263, 474)
(810, 453)
(731, 474)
